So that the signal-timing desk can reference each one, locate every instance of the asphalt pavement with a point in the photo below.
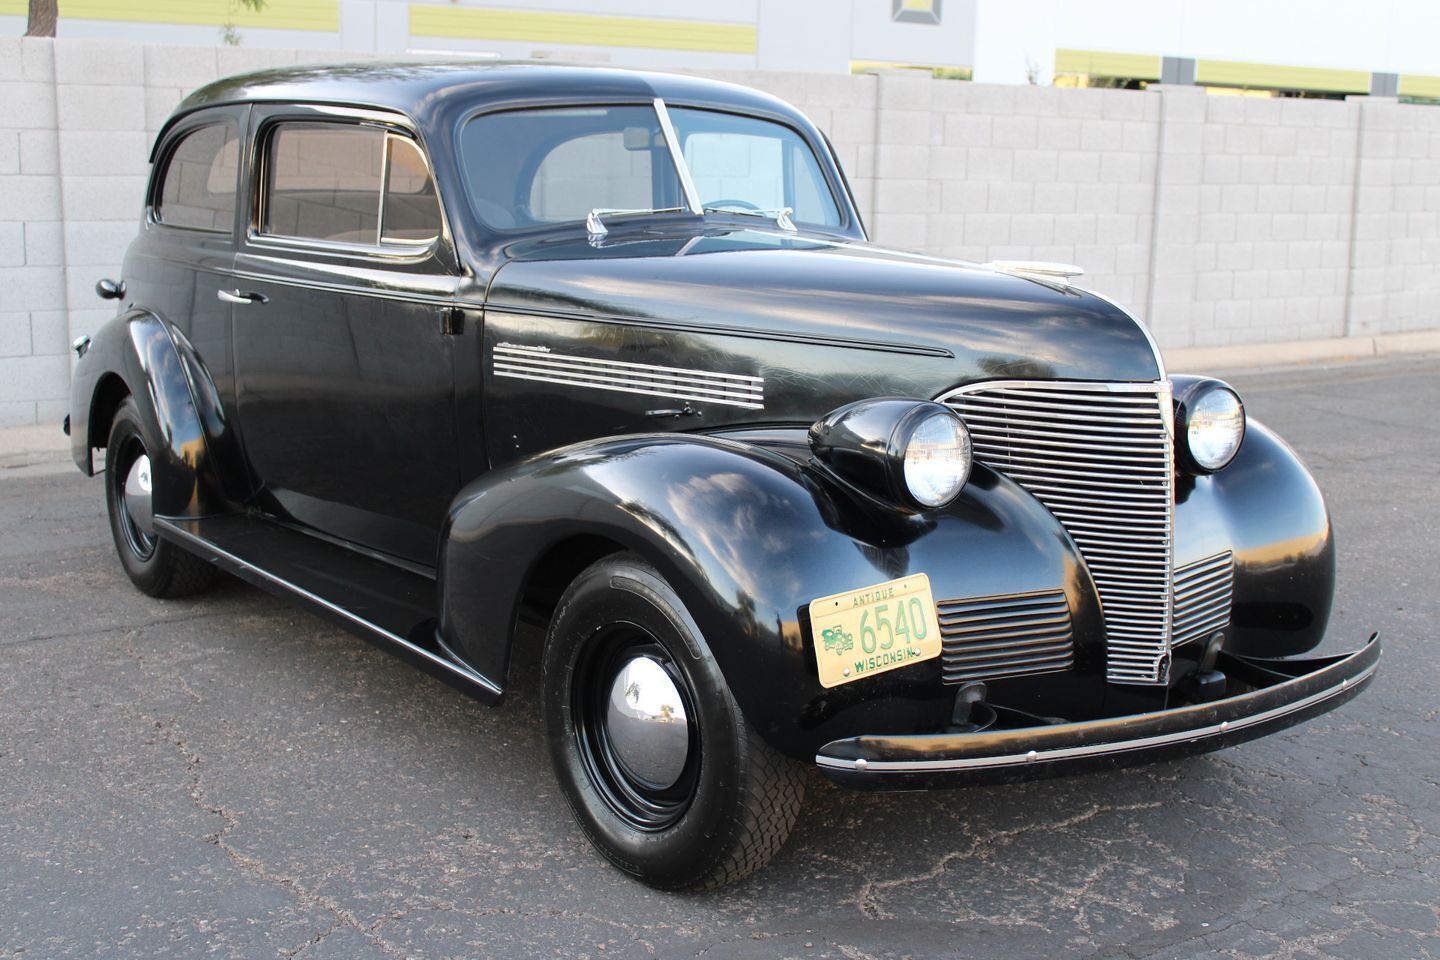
(228, 776)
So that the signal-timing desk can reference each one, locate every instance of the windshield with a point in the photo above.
(526, 168)
(531, 168)
(748, 164)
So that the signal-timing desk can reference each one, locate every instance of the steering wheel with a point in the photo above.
(735, 202)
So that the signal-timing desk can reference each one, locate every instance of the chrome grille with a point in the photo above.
(987, 638)
(1202, 597)
(1099, 457)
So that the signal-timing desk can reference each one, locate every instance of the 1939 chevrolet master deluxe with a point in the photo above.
(437, 349)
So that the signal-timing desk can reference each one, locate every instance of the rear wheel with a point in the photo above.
(661, 770)
(157, 567)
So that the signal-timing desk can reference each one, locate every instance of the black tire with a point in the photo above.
(730, 810)
(157, 567)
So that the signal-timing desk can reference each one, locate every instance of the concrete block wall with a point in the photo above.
(1219, 221)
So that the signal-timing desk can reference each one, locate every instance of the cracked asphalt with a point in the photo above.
(230, 777)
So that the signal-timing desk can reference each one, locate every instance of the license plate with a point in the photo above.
(861, 633)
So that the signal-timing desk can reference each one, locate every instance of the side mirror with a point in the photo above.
(107, 289)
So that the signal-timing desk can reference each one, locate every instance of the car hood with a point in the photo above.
(647, 332)
(844, 294)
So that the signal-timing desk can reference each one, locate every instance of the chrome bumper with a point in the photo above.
(1276, 694)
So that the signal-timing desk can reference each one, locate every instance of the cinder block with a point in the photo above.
(993, 98)
(987, 230)
(1083, 104)
(1014, 197)
(1097, 198)
(989, 163)
(847, 124)
(1215, 285)
(1120, 168)
(103, 198)
(160, 102)
(1123, 104)
(1055, 197)
(1059, 133)
(1224, 109)
(49, 333)
(968, 129)
(905, 231)
(10, 65)
(1279, 141)
(14, 334)
(901, 196)
(29, 198)
(1242, 139)
(965, 196)
(12, 244)
(9, 152)
(44, 243)
(1182, 138)
(31, 288)
(1115, 228)
(899, 92)
(28, 379)
(1017, 132)
(26, 105)
(107, 62)
(98, 243)
(1036, 165)
(39, 152)
(20, 414)
(37, 59)
(834, 90)
(1079, 166)
(903, 161)
(946, 163)
(1035, 229)
(104, 153)
(233, 60)
(92, 107)
(1101, 135)
(1217, 227)
(1274, 198)
(1074, 228)
(910, 126)
(177, 66)
(51, 411)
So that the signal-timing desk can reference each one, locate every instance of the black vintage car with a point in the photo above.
(440, 349)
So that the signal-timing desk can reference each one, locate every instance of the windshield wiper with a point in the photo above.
(781, 215)
(596, 227)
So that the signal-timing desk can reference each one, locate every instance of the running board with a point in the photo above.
(388, 605)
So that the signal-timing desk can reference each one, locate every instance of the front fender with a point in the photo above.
(1266, 508)
(748, 537)
(178, 403)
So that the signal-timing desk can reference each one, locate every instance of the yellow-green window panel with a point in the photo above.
(1269, 76)
(318, 15)
(14, 8)
(1101, 63)
(435, 20)
(1415, 85)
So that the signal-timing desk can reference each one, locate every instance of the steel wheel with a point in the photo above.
(634, 728)
(133, 497)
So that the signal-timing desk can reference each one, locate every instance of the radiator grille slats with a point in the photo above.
(1203, 595)
(988, 638)
(1099, 457)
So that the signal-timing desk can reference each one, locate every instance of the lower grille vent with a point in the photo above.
(1007, 636)
(1202, 597)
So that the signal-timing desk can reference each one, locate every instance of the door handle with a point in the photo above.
(237, 296)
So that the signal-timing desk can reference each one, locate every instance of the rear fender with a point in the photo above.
(179, 408)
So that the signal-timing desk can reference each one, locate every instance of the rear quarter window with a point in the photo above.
(197, 189)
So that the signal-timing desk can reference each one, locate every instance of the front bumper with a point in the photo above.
(1271, 695)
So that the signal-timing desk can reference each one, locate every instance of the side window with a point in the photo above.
(347, 183)
(198, 187)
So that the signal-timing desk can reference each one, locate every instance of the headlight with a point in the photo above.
(1210, 424)
(937, 459)
(911, 452)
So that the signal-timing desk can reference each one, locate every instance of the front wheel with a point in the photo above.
(662, 772)
(157, 567)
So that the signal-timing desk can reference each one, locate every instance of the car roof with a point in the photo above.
(417, 87)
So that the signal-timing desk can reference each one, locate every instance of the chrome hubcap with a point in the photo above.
(647, 725)
(137, 496)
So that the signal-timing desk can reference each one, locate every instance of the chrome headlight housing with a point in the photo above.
(912, 452)
(1209, 424)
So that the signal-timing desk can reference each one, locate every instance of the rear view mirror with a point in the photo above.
(639, 138)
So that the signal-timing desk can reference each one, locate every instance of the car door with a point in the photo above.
(344, 351)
